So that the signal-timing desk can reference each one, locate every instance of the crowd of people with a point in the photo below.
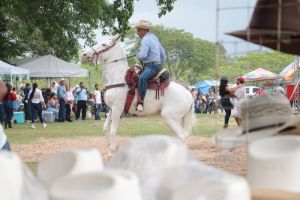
(60, 100)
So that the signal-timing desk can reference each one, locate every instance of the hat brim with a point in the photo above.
(292, 127)
(272, 194)
(233, 138)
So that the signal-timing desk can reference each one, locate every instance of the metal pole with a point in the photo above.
(217, 72)
(279, 25)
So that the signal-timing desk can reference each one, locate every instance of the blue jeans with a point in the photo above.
(149, 72)
(97, 111)
(2, 113)
(6, 146)
(62, 110)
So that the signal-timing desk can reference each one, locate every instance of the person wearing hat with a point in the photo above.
(239, 97)
(151, 54)
(62, 96)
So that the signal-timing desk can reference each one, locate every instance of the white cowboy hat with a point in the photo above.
(274, 163)
(106, 185)
(262, 116)
(194, 181)
(17, 181)
(60, 164)
(146, 155)
(143, 24)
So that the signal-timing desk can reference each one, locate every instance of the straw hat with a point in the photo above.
(58, 165)
(274, 163)
(106, 185)
(262, 116)
(143, 24)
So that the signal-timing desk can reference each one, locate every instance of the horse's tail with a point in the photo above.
(189, 120)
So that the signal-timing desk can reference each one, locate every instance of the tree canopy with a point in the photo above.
(40, 27)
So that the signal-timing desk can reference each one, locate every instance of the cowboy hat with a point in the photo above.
(262, 116)
(143, 24)
(274, 163)
(271, 194)
(17, 181)
(146, 155)
(60, 164)
(193, 181)
(106, 185)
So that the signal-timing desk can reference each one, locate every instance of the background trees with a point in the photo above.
(40, 27)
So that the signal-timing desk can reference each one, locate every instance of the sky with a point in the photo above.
(199, 18)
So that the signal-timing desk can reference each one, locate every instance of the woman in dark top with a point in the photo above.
(225, 92)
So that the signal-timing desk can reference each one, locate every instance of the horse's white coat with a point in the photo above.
(175, 107)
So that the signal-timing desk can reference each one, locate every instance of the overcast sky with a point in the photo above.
(199, 18)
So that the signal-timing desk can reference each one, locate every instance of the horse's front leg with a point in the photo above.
(114, 122)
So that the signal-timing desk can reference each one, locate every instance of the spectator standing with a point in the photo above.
(225, 92)
(26, 103)
(82, 95)
(98, 102)
(239, 97)
(62, 96)
(8, 105)
(69, 103)
(54, 87)
(37, 102)
(4, 144)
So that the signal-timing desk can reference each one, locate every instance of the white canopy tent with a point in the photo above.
(52, 67)
(11, 70)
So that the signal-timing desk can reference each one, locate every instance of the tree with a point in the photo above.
(54, 26)
(273, 61)
(188, 58)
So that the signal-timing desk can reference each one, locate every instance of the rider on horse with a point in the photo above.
(151, 54)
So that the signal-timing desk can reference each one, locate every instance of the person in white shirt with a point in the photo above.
(98, 102)
(54, 87)
(69, 103)
(37, 102)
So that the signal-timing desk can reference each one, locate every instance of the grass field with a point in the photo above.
(206, 125)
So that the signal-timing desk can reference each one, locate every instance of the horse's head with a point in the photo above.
(99, 52)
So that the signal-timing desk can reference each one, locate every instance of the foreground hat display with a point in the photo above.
(262, 116)
(146, 155)
(106, 185)
(274, 163)
(194, 181)
(58, 165)
(16, 180)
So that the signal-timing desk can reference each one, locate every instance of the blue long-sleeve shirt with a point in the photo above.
(61, 92)
(151, 50)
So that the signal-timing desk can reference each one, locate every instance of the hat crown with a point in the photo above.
(143, 24)
(264, 111)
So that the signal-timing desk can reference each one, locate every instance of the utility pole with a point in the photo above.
(217, 51)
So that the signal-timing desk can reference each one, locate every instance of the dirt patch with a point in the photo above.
(202, 148)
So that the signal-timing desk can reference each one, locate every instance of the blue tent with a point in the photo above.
(204, 85)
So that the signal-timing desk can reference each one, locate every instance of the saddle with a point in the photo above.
(159, 82)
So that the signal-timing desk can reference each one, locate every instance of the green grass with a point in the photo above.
(207, 125)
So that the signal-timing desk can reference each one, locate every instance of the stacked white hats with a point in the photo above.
(16, 180)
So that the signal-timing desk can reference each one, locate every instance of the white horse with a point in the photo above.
(175, 106)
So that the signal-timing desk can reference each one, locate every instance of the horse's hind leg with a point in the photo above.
(175, 126)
